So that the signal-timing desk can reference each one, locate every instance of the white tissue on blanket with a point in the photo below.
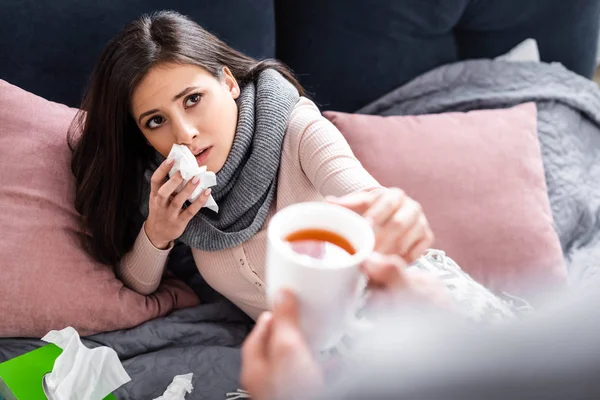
(186, 164)
(82, 373)
(181, 385)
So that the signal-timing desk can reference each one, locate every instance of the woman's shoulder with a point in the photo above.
(304, 114)
(305, 106)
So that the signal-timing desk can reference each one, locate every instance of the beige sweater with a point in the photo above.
(316, 162)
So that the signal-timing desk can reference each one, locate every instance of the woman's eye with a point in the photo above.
(192, 99)
(154, 122)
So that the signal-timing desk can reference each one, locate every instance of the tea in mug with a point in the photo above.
(320, 244)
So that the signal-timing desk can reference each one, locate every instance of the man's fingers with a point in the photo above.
(287, 336)
(255, 354)
(385, 271)
(255, 346)
(289, 347)
(158, 177)
(285, 309)
(427, 289)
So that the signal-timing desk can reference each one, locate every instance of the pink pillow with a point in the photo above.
(46, 280)
(480, 179)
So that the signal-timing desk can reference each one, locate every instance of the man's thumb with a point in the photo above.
(286, 308)
(385, 271)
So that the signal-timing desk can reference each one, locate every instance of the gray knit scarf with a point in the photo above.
(247, 183)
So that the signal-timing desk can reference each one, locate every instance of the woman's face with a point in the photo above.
(185, 104)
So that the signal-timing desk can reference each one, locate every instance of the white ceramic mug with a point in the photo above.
(326, 289)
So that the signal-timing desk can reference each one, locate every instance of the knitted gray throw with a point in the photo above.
(247, 183)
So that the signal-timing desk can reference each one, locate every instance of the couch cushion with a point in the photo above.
(49, 48)
(480, 179)
(349, 53)
(46, 280)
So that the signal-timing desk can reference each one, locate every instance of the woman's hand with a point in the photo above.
(166, 218)
(398, 221)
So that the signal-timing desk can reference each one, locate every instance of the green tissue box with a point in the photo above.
(21, 378)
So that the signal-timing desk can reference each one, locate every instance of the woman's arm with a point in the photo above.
(400, 225)
(142, 268)
(325, 156)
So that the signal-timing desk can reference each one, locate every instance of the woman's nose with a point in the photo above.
(185, 132)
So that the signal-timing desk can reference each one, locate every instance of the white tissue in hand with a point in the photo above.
(186, 164)
(177, 390)
(82, 373)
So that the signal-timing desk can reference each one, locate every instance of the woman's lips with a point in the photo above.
(202, 156)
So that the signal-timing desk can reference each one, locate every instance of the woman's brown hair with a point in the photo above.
(110, 154)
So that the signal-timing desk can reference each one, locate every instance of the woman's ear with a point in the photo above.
(231, 83)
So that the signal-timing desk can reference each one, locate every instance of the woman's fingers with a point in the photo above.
(358, 202)
(178, 200)
(421, 246)
(411, 237)
(393, 234)
(385, 206)
(195, 206)
(398, 221)
(159, 176)
(167, 190)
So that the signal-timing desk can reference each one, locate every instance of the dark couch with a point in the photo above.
(346, 52)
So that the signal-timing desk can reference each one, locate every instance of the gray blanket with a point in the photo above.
(568, 129)
(204, 340)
